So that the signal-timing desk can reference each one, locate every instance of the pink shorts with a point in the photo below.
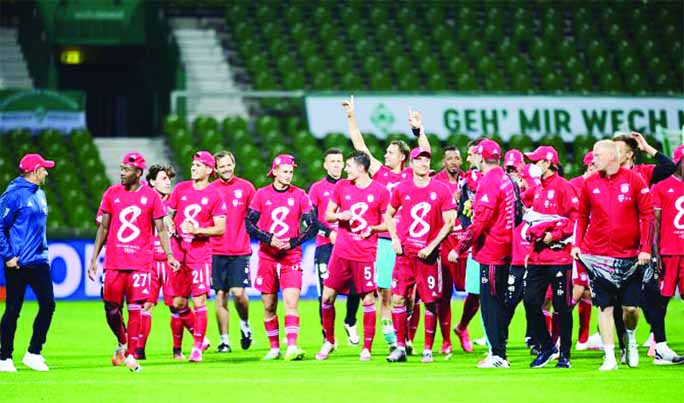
(161, 278)
(272, 276)
(580, 276)
(454, 273)
(192, 280)
(133, 285)
(673, 276)
(342, 273)
(410, 271)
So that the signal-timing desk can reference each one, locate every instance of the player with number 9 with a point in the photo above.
(274, 217)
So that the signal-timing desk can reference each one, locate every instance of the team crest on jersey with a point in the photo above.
(370, 198)
(551, 194)
(143, 200)
(624, 188)
(433, 196)
(238, 193)
(290, 202)
(204, 201)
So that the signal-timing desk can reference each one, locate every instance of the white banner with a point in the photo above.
(506, 115)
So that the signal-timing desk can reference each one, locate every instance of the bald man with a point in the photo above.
(616, 245)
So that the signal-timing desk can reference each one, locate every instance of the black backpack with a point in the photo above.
(518, 208)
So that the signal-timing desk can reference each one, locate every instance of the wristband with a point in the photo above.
(416, 131)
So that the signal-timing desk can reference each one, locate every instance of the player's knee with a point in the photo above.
(12, 310)
(47, 307)
(630, 310)
(237, 292)
(368, 299)
(179, 304)
(112, 307)
(398, 300)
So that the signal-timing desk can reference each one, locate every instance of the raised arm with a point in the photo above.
(356, 136)
(416, 122)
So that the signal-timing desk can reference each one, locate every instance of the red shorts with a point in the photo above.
(272, 276)
(133, 285)
(342, 273)
(579, 274)
(192, 280)
(454, 273)
(160, 282)
(409, 271)
(549, 294)
(673, 276)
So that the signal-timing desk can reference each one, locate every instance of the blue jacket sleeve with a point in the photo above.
(8, 211)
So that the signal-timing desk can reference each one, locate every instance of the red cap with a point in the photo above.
(205, 158)
(31, 162)
(489, 149)
(282, 159)
(678, 154)
(588, 159)
(418, 151)
(547, 153)
(513, 158)
(135, 160)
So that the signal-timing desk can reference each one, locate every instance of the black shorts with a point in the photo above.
(605, 294)
(229, 272)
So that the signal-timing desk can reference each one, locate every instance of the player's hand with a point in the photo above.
(175, 264)
(92, 271)
(333, 237)
(277, 243)
(13, 263)
(643, 144)
(344, 215)
(368, 231)
(547, 238)
(644, 258)
(575, 252)
(286, 244)
(348, 105)
(425, 252)
(453, 256)
(415, 119)
(396, 245)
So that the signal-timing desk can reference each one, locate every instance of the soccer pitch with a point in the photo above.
(80, 344)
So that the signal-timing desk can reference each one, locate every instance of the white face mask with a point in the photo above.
(535, 171)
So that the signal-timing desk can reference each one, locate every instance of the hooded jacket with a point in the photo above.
(23, 218)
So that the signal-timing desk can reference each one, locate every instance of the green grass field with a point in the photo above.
(80, 345)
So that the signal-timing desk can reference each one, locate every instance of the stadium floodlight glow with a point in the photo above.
(71, 56)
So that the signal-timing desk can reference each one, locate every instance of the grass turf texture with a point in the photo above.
(80, 345)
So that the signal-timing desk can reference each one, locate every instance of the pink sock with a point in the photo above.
(584, 310)
(413, 322)
(430, 327)
(291, 329)
(272, 331)
(200, 328)
(399, 321)
(548, 318)
(369, 320)
(187, 317)
(133, 327)
(177, 330)
(145, 326)
(328, 311)
(444, 314)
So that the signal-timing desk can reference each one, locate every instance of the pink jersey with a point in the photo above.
(367, 206)
(199, 207)
(237, 193)
(320, 193)
(390, 180)
(158, 253)
(452, 240)
(668, 196)
(421, 212)
(280, 214)
(131, 229)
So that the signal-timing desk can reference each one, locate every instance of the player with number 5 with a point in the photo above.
(274, 217)
(130, 212)
(426, 211)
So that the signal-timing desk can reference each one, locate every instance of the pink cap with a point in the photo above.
(282, 159)
(31, 162)
(678, 154)
(513, 158)
(135, 160)
(547, 153)
(489, 149)
(588, 159)
(418, 151)
(205, 158)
